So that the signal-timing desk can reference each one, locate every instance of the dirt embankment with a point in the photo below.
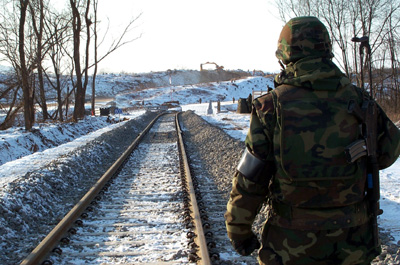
(175, 78)
(193, 77)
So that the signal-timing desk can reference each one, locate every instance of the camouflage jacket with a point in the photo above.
(304, 192)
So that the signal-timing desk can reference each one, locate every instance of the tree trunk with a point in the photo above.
(39, 33)
(39, 54)
(59, 95)
(28, 93)
(95, 59)
(79, 108)
(88, 23)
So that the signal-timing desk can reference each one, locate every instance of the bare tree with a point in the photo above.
(393, 48)
(10, 88)
(59, 36)
(115, 44)
(11, 93)
(28, 91)
(17, 45)
(95, 5)
(31, 38)
(88, 37)
(389, 75)
(79, 109)
(289, 8)
(37, 13)
(347, 19)
(82, 19)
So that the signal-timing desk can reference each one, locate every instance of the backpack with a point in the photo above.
(312, 131)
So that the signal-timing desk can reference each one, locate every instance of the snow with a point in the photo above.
(236, 125)
(390, 199)
(12, 170)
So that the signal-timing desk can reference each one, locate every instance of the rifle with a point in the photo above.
(367, 115)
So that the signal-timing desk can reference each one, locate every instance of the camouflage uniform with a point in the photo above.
(317, 210)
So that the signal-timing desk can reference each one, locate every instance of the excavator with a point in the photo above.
(217, 67)
(258, 73)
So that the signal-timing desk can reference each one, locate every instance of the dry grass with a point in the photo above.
(391, 110)
(395, 117)
(391, 113)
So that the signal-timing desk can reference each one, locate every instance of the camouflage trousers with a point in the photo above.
(340, 246)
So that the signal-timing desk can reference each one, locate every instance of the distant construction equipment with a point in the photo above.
(258, 73)
(217, 67)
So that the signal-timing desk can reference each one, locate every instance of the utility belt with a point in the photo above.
(286, 216)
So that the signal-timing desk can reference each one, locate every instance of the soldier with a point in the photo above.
(295, 161)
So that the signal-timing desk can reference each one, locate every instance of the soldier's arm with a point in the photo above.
(245, 201)
(388, 141)
(249, 192)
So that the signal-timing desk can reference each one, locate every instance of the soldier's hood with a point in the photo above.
(314, 73)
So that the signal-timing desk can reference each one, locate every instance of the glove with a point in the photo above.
(247, 246)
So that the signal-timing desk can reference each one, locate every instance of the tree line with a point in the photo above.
(51, 48)
(379, 21)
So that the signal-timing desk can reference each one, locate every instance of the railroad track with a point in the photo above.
(142, 211)
(212, 206)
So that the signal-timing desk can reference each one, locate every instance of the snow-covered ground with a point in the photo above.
(188, 95)
(14, 169)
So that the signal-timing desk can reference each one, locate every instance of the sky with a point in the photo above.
(182, 34)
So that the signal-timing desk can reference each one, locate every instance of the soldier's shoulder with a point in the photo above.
(362, 92)
(264, 103)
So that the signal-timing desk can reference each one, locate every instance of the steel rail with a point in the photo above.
(39, 254)
(195, 213)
